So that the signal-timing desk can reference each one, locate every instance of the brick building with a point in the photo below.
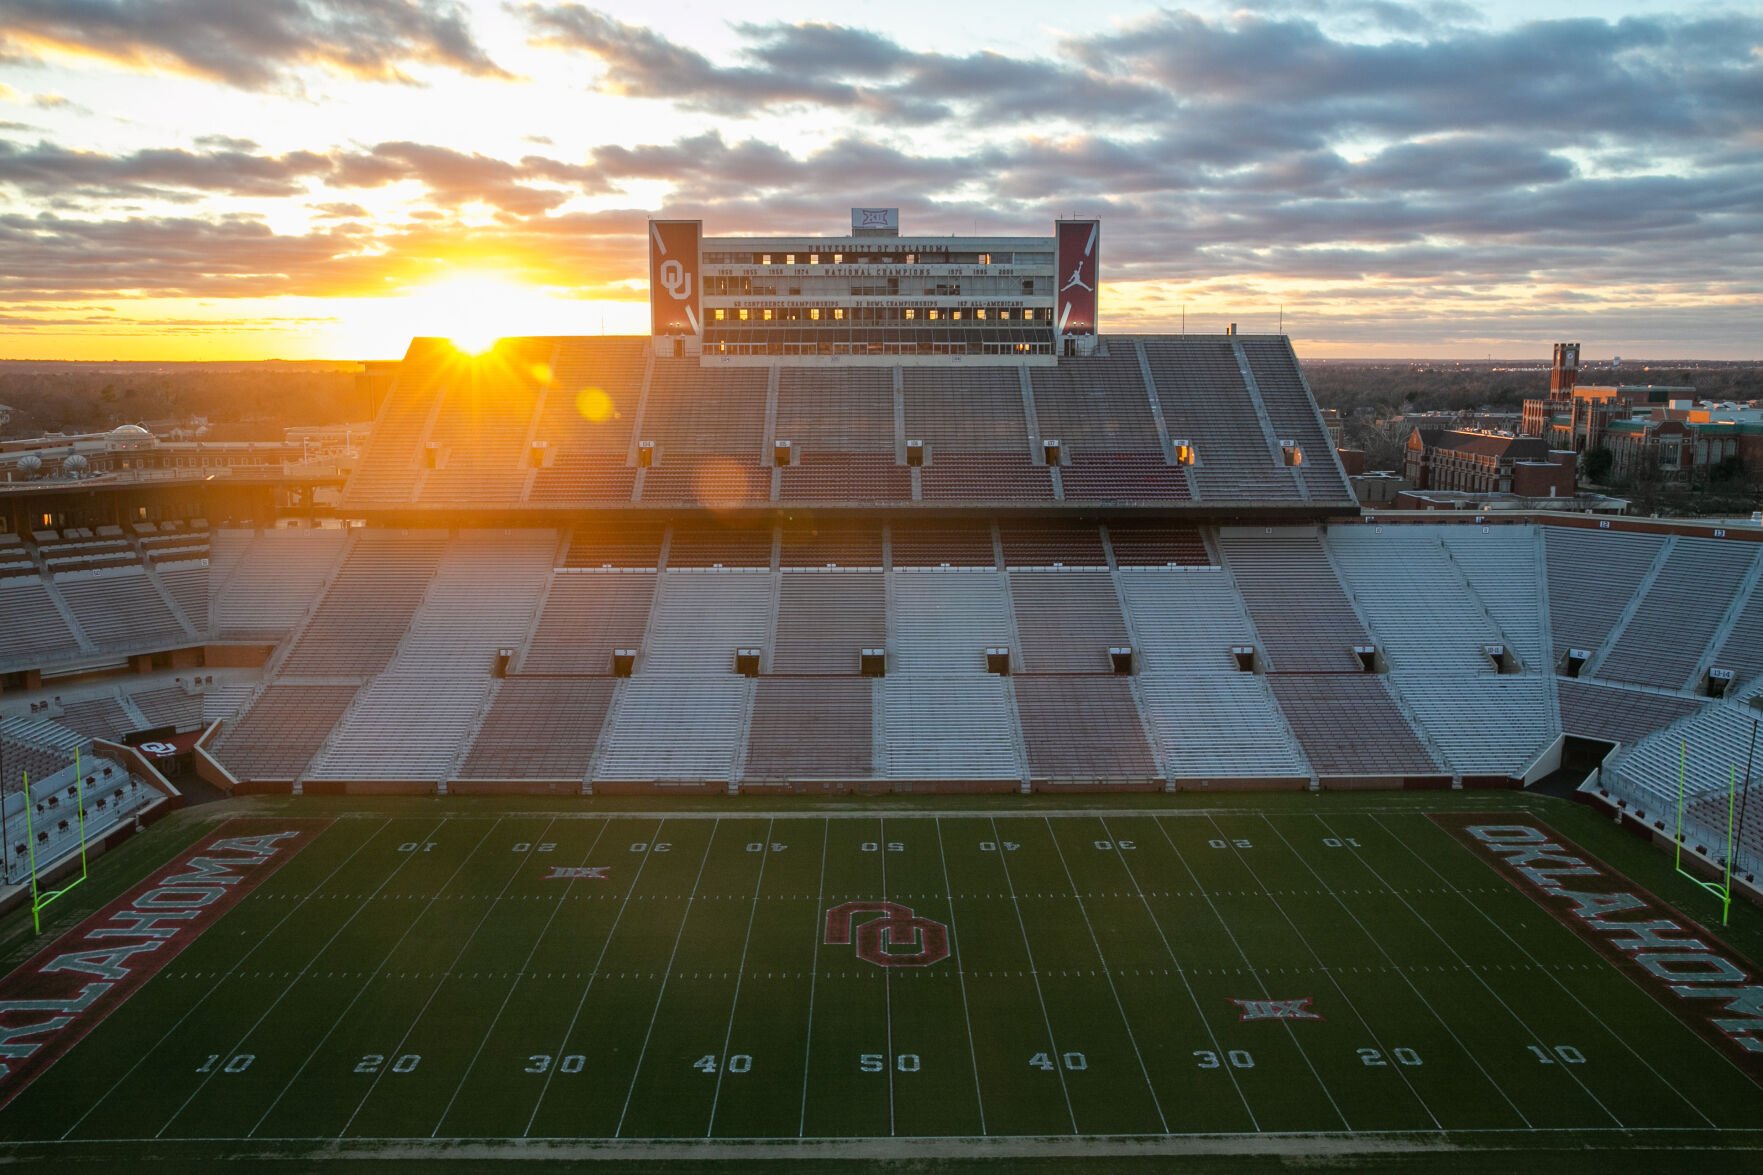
(1487, 463)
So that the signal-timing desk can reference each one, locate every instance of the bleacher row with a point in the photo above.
(352, 705)
(387, 639)
(561, 422)
(89, 594)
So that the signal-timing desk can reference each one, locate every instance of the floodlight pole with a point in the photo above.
(79, 783)
(30, 836)
(1745, 792)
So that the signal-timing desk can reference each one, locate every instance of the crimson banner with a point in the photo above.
(674, 294)
(1079, 265)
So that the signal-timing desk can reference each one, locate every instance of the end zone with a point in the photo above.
(1707, 985)
(66, 989)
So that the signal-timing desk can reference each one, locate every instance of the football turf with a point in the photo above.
(1308, 973)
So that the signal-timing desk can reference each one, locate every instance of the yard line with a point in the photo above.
(813, 973)
(1108, 974)
(1443, 1023)
(362, 990)
(887, 976)
(568, 888)
(740, 972)
(436, 989)
(1033, 971)
(582, 1002)
(1345, 998)
(1550, 972)
(1211, 1036)
(1255, 974)
(960, 976)
(666, 975)
(1535, 1037)
(215, 986)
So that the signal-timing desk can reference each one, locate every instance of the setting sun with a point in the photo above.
(476, 309)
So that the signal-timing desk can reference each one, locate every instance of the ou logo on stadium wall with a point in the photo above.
(887, 940)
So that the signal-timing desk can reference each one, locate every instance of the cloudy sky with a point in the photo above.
(325, 178)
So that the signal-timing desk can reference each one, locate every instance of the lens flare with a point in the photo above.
(593, 405)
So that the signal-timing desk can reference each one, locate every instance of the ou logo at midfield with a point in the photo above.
(675, 280)
(879, 939)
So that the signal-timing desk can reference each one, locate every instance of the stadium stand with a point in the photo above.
(1305, 622)
(810, 730)
(718, 483)
(1483, 725)
(1740, 651)
(1420, 611)
(1083, 730)
(35, 629)
(705, 411)
(1219, 727)
(1138, 543)
(1663, 641)
(1348, 725)
(1185, 622)
(1619, 715)
(1706, 747)
(811, 541)
(1592, 578)
(364, 613)
(985, 477)
(543, 526)
(619, 544)
(958, 729)
(187, 585)
(402, 727)
(941, 622)
(387, 471)
(591, 409)
(540, 729)
(967, 410)
(1097, 403)
(695, 543)
(483, 597)
(825, 618)
(97, 717)
(851, 477)
(481, 428)
(264, 582)
(942, 543)
(1291, 410)
(170, 706)
(701, 617)
(674, 729)
(1066, 620)
(284, 727)
(1206, 402)
(120, 609)
(586, 615)
(1123, 477)
(1051, 542)
(827, 411)
(1503, 567)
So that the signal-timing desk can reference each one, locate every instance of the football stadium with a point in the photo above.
(875, 717)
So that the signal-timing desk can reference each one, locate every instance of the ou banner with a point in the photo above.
(674, 285)
(1079, 253)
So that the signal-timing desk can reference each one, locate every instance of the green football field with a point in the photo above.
(1301, 973)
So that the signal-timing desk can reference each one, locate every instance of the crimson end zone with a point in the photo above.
(53, 1000)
